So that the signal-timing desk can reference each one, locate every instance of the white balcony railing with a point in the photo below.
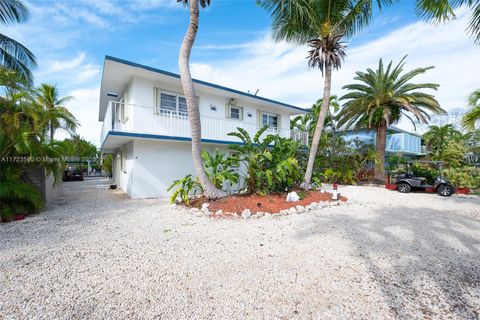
(146, 120)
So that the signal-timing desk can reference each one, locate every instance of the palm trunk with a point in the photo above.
(193, 109)
(319, 127)
(52, 132)
(380, 146)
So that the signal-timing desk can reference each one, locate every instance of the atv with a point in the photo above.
(406, 182)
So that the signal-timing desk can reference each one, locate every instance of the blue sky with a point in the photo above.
(233, 48)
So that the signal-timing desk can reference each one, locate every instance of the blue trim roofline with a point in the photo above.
(161, 137)
(209, 84)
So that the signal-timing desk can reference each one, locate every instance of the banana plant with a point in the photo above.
(270, 162)
(220, 168)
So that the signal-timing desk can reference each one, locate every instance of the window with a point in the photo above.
(270, 120)
(171, 103)
(120, 111)
(234, 112)
(182, 105)
(168, 102)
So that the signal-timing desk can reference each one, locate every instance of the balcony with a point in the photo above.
(130, 118)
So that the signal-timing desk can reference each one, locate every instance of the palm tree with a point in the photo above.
(22, 134)
(380, 100)
(473, 115)
(437, 137)
(443, 10)
(323, 25)
(308, 122)
(13, 55)
(56, 115)
(192, 105)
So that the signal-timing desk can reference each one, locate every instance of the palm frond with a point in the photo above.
(16, 57)
(13, 11)
(382, 96)
(473, 115)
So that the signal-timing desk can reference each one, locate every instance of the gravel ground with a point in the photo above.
(386, 255)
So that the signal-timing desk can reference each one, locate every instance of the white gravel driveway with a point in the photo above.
(100, 255)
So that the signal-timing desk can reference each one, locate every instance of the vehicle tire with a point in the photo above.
(404, 187)
(445, 190)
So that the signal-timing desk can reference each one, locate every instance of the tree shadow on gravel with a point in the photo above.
(426, 261)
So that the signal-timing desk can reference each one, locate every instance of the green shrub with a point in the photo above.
(394, 162)
(186, 187)
(466, 177)
(220, 168)
(271, 165)
(14, 191)
(344, 162)
(453, 155)
(316, 183)
(6, 214)
(301, 194)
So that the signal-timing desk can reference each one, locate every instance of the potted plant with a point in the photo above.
(7, 214)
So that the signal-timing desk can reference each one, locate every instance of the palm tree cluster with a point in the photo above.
(324, 25)
(25, 139)
(382, 97)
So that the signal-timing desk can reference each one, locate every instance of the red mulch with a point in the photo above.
(391, 186)
(272, 203)
(463, 190)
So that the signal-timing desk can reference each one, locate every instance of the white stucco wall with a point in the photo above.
(152, 165)
(157, 163)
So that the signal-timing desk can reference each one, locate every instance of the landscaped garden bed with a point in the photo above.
(270, 168)
(272, 203)
(256, 206)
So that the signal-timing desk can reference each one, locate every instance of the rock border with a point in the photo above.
(247, 214)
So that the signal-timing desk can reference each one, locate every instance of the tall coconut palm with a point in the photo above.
(380, 100)
(192, 104)
(443, 10)
(437, 137)
(13, 55)
(473, 115)
(323, 25)
(56, 115)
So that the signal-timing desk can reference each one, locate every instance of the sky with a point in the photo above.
(233, 48)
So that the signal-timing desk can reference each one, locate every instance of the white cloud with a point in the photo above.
(84, 107)
(152, 4)
(70, 73)
(88, 72)
(62, 65)
(280, 70)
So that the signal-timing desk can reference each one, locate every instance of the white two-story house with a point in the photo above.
(146, 127)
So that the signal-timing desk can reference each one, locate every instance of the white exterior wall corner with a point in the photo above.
(157, 163)
(126, 174)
